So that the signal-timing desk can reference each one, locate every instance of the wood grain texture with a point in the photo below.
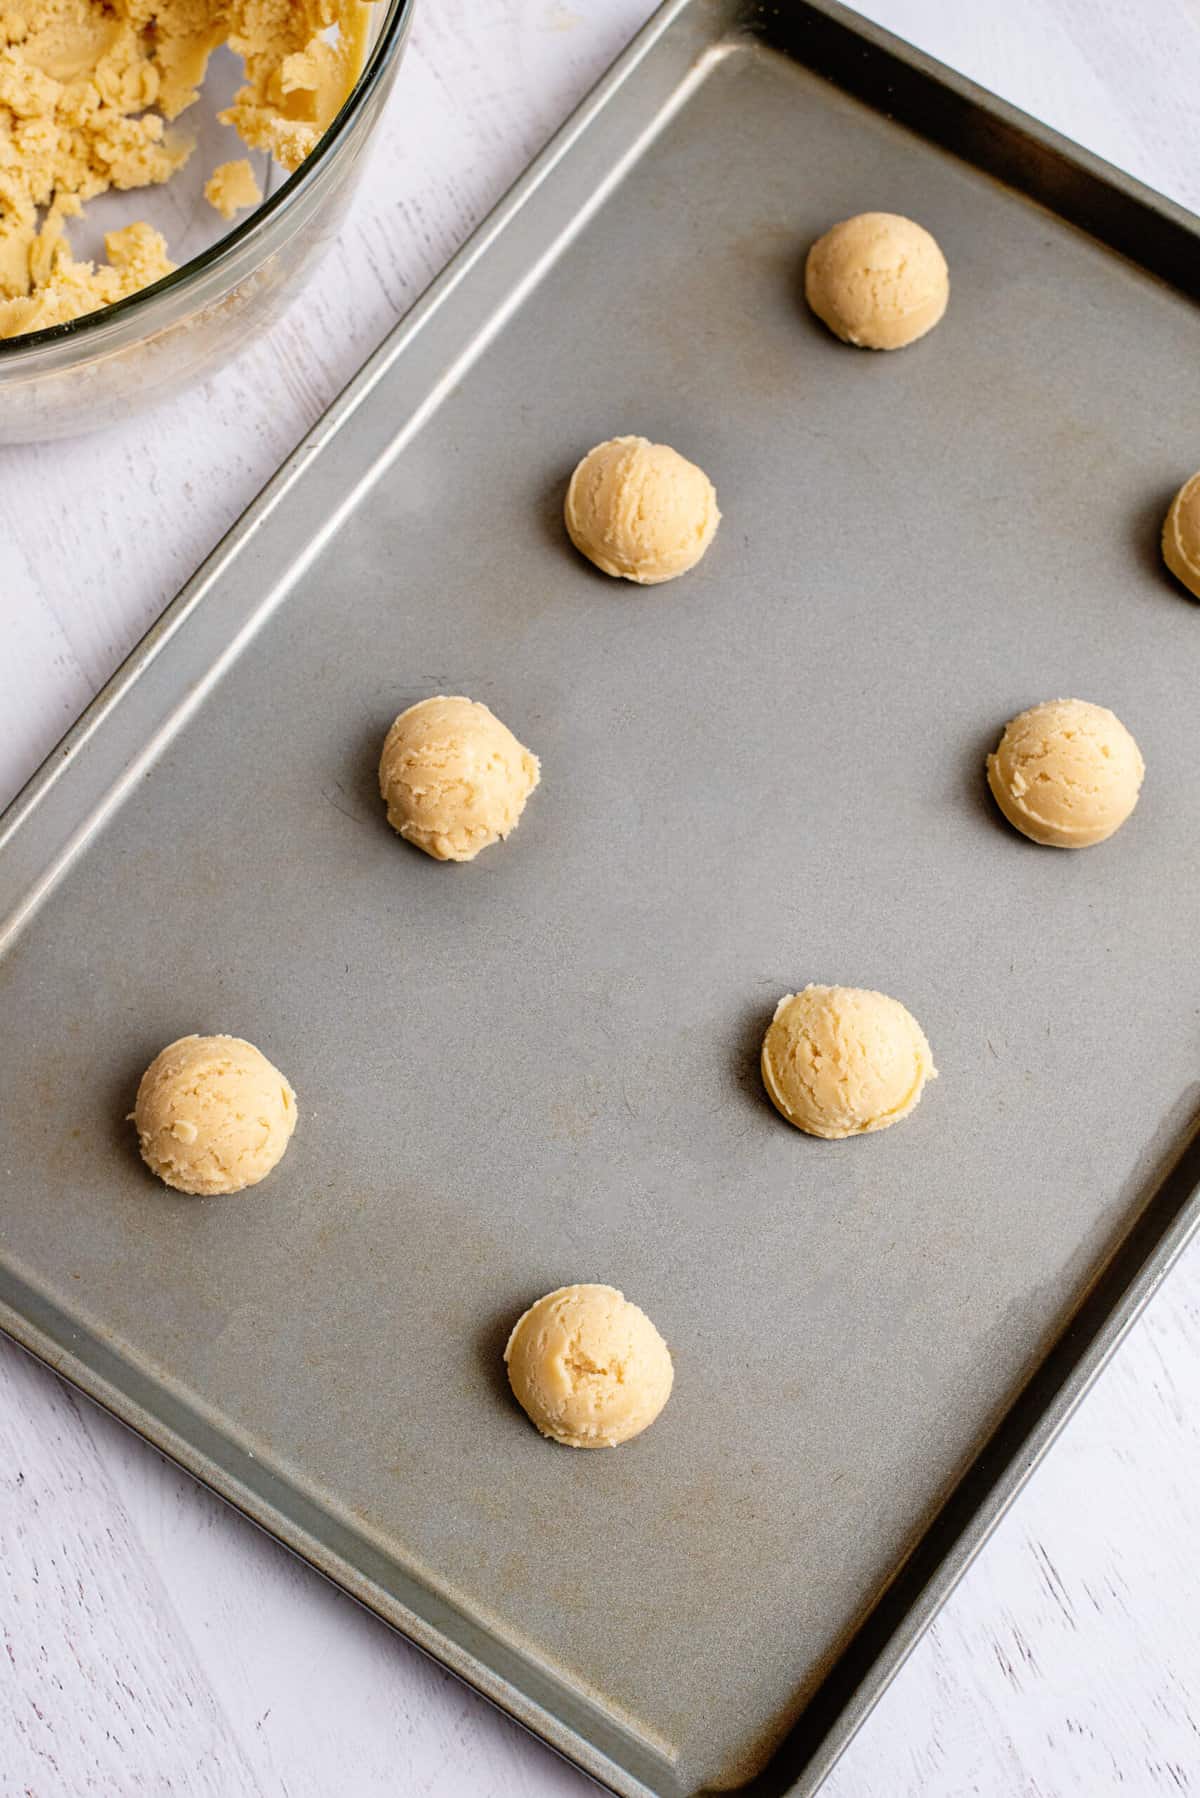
(153, 1641)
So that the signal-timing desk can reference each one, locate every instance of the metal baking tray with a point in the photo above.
(542, 1067)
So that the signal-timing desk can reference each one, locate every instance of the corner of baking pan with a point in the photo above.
(902, 82)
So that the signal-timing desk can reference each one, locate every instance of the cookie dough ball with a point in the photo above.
(213, 1115)
(454, 778)
(641, 510)
(841, 1061)
(1181, 536)
(590, 1369)
(877, 280)
(1066, 773)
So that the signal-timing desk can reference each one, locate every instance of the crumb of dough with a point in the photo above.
(296, 80)
(87, 91)
(232, 186)
(588, 1367)
(137, 257)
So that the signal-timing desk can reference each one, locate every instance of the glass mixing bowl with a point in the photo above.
(231, 282)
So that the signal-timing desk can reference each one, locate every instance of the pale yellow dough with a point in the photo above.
(588, 1367)
(232, 187)
(213, 1115)
(640, 510)
(137, 256)
(842, 1061)
(454, 778)
(877, 280)
(1181, 536)
(87, 88)
(1066, 774)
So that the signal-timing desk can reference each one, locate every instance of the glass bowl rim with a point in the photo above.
(79, 330)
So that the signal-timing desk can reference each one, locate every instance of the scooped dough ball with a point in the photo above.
(841, 1061)
(877, 280)
(1181, 536)
(213, 1115)
(641, 510)
(454, 778)
(1066, 773)
(590, 1369)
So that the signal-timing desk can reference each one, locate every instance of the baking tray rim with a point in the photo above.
(49, 1342)
(1135, 1269)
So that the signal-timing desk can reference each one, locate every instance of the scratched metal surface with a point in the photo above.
(542, 1067)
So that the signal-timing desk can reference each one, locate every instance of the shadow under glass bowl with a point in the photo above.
(109, 364)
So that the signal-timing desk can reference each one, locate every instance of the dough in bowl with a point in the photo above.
(842, 1061)
(877, 280)
(213, 1115)
(1066, 773)
(89, 93)
(588, 1367)
(640, 510)
(1181, 536)
(454, 778)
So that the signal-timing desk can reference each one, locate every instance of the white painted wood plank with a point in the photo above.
(43, 689)
(100, 1691)
(1118, 77)
(374, 1704)
(166, 1645)
(1068, 1661)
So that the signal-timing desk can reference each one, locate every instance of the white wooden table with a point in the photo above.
(155, 1643)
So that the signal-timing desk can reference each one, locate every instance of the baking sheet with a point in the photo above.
(542, 1067)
